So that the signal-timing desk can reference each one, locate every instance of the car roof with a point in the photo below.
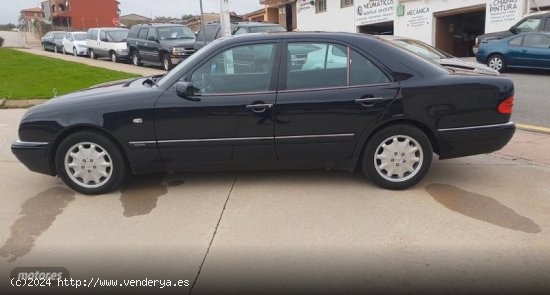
(161, 25)
(256, 24)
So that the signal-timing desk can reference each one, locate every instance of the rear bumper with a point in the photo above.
(468, 141)
(34, 155)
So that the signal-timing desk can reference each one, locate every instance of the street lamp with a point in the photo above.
(202, 23)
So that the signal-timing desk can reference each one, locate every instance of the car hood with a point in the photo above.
(104, 89)
(179, 43)
(496, 35)
(467, 66)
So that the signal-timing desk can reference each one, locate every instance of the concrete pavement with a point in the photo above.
(478, 224)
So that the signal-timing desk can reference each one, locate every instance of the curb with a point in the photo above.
(531, 128)
(20, 103)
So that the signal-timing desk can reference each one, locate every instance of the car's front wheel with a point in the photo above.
(90, 163)
(93, 55)
(75, 53)
(55, 49)
(166, 62)
(397, 157)
(497, 62)
(136, 59)
(114, 57)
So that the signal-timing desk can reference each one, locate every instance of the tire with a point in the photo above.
(93, 55)
(384, 150)
(166, 62)
(136, 59)
(497, 62)
(55, 49)
(75, 53)
(43, 47)
(106, 175)
(114, 57)
(63, 50)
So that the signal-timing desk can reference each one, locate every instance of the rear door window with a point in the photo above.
(143, 33)
(316, 65)
(536, 40)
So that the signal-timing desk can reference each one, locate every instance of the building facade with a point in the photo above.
(83, 14)
(450, 25)
(29, 17)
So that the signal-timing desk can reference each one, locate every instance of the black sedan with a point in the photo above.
(250, 102)
(53, 41)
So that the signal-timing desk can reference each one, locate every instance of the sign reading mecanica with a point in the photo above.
(374, 11)
(503, 11)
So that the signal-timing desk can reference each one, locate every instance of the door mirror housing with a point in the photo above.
(185, 90)
(512, 29)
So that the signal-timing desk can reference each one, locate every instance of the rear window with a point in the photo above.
(133, 32)
(266, 29)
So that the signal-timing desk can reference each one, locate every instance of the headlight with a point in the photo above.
(122, 50)
(176, 50)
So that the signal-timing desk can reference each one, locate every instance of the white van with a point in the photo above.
(108, 42)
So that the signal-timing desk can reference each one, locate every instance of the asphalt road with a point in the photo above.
(476, 224)
(532, 97)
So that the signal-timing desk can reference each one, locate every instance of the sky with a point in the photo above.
(10, 9)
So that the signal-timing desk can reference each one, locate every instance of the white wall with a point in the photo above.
(419, 26)
(426, 32)
(334, 19)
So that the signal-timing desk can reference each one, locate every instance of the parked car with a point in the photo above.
(213, 31)
(384, 111)
(536, 22)
(75, 43)
(53, 41)
(163, 44)
(527, 50)
(441, 57)
(108, 42)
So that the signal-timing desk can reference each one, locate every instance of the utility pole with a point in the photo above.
(225, 19)
(202, 23)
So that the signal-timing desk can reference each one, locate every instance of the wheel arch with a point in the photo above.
(79, 128)
(493, 54)
(397, 121)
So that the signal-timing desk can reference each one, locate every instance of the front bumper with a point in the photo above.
(468, 141)
(34, 155)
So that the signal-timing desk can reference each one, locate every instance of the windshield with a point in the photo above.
(173, 33)
(420, 48)
(117, 36)
(58, 35)
(80, 37)
(266, 29)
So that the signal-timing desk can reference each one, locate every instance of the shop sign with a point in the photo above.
(374, 11)
(503, 11)
(418, 17)
(304, 5)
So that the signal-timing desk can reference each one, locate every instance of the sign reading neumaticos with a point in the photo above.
(374, 11)
(499, 11)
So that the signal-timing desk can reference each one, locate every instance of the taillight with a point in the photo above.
(506, 106)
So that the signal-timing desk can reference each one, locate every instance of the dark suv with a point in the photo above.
(213, 31)
(537, 22)
(163, 44)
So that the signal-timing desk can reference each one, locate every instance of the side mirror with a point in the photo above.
(513, 30)
(186, 90)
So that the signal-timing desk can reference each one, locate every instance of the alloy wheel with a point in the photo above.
(88, 164)
(398, 158)
(496, 63)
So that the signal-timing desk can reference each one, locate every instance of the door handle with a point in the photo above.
(369, 101)
(259, 108)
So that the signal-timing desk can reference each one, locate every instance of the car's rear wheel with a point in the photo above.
(497, 62)
(136, 59)
(166, 62)
(90, 163)
(114, 57)
(93, 55)
(397, 157)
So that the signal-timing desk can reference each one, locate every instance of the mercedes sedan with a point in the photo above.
(272, 101)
